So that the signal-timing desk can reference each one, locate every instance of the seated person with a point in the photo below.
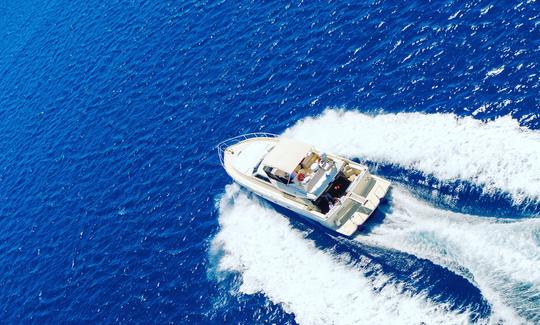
(333, 203)
(309, 160)
(314, 167)
(327, 197)
(298, 176)
(325, 162)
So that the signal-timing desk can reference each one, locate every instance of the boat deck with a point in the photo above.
(336, 190)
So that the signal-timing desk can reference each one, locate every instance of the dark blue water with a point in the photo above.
(110, 112)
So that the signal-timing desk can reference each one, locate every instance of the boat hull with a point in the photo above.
(298, 206)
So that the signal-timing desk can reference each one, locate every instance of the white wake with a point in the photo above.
(501, 257)
(498, 155)
(317, 286)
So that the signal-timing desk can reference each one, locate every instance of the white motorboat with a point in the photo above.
(333, 191)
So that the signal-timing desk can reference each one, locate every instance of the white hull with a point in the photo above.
(344, 219)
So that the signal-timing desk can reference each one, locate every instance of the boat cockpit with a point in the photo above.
(316, 177)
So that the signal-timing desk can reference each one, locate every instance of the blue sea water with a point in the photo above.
(114, 207)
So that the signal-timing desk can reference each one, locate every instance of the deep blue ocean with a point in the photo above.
(114, 207)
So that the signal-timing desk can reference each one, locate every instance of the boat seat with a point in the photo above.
(309, 160)
(348, 171)
(316, 178)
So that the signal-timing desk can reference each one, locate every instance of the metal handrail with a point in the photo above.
(231, 141)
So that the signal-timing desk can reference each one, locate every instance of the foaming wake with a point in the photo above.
(497, 155)
(502, 257)
(317, 286)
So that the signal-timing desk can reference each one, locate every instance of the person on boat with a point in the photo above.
(333, 203)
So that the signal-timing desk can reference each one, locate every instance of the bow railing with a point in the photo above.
(231, 141)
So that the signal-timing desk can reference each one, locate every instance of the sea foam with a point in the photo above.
(500, 256)
(497, 156)
(315, 285)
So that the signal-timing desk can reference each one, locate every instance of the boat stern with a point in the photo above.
(360, 205)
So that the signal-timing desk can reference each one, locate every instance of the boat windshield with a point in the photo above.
(276, 174)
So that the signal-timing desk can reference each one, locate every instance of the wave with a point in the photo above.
(317, 286)
(497, 155)
(501, 256)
